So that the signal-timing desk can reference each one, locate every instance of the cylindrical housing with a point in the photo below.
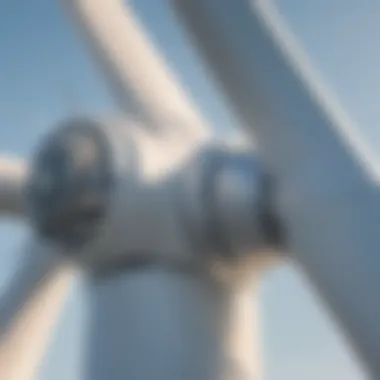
(99, 187)
(226, 204)
(163, 325)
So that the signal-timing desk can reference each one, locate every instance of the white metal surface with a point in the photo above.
(226, 206)
(326, 196)
(142, 201)
(157, 324)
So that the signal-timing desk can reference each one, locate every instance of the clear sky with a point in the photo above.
(44, 68)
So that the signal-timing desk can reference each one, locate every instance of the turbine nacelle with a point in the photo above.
(92, 195)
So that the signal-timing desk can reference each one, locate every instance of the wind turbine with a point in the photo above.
(127, 201)
(173, 227)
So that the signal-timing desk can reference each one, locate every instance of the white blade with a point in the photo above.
(13, 173)
(328, 203)
(135, 70)
(28, 310)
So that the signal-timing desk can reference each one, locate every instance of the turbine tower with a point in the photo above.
(173, 227)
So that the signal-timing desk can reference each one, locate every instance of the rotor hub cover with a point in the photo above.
(70, 183)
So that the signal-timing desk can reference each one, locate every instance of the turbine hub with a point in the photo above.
(70, 182)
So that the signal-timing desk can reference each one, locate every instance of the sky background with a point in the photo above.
(45, 69)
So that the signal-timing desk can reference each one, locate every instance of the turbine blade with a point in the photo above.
(28, 310)
(136, 72)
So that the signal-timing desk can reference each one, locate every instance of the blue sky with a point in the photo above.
(43, 64)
